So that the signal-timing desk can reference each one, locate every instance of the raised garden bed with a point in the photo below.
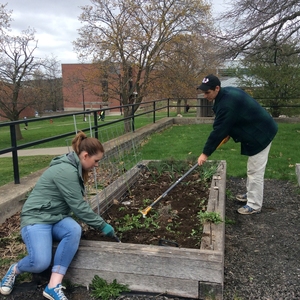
(178, 271)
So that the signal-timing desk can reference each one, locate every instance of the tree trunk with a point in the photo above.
(18, 132)
(127, 123)
(178, 107)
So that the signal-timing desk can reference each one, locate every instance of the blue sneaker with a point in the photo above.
(55, 293)
(8, 281)
(247, 210)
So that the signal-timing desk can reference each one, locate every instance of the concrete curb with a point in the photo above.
(13, 196)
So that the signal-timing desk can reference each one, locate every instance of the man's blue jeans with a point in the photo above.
(39, 239)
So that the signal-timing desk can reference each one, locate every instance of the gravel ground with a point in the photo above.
(261, 251)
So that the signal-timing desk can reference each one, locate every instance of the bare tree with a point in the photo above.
(52, 83)
(250, 21)
(5, 19)
(133, 35)
(188, 57)
(17, 66)
(25, 81)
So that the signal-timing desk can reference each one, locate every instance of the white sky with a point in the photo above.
(56, 24)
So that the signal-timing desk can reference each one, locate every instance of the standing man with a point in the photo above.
(239, 116)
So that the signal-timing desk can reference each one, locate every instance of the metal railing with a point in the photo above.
(150, 107)
(144, 108)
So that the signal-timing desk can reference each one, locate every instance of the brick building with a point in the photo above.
(85, 87)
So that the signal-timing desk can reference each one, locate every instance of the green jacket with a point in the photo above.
(58, 192)
(241, 117)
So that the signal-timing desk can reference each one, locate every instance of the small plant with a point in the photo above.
(171, 171)
(229, 221)
(132, 221)
(146, 202)
(202, 204)
(209, 216)
(237, 298)
(208, 170)
(155, 169)
(194, 232)
(103, 290)
(150, 223)
(229, 195)
(129, 222)
(169, 227)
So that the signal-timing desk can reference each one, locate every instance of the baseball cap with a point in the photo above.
(209, 82)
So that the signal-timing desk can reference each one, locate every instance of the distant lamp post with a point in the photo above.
(83, 103)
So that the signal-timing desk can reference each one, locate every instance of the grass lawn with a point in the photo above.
(41, 129)
(187, 141)
(181, 142)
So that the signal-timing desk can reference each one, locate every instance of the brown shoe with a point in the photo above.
(241, 197)
(247, 210)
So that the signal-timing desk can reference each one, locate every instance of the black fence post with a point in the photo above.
(132, 117)
(96, 124)
(168, 107)
(154, 111)
(13, 139)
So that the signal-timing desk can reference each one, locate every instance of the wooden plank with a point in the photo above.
(151, 260)
(214, 234)
(152, 284)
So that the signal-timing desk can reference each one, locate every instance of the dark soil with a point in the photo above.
(172, 221)
(261, 251)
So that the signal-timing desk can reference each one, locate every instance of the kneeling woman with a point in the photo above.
(46, 216)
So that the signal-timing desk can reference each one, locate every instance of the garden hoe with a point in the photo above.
(147, 209)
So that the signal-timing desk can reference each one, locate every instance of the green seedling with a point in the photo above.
(129, 222)
(209, 216)
(101, 289)
(229, 221)
(194, 232)
(229, 195)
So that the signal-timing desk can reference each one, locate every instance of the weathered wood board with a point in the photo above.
(189, 273)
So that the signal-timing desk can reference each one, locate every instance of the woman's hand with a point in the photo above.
(108, 230)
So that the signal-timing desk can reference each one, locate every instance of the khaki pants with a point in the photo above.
(256, 166)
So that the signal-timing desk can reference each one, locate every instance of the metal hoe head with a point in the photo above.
(147, 209)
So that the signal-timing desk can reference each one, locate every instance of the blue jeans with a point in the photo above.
(39, 239)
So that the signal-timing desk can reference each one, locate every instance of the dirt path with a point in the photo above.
(262, 251)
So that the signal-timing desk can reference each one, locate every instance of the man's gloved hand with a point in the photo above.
(108, 230)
